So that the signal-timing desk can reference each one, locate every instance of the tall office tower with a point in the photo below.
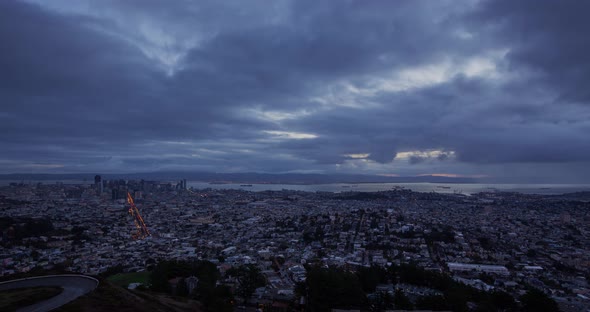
(98, 184)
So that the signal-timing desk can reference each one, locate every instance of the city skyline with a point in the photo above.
(469, 89)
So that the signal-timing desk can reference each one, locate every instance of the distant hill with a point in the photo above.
(284, 178)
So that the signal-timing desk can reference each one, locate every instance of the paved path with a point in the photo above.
(74, 286)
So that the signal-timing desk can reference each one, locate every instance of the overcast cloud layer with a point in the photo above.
(468, 88)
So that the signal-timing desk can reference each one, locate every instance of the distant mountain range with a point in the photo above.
(283, 178)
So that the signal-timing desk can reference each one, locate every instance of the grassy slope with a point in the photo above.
(124, 279)
(10, 300)
(109, 297)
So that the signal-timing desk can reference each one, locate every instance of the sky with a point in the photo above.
(485, 89)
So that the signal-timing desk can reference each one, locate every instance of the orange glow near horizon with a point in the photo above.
(388, 175)
(454, 175)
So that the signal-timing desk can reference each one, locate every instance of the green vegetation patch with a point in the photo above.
(11, 300)
(124, 279)
(108, 297)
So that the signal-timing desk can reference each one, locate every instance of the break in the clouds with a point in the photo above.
(467, 88)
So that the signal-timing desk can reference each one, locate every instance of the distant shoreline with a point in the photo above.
(241, 183)
(340, 187)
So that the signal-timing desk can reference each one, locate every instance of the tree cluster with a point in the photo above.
(15, 229)
(213, 297)
(328, 288)
(249, 278)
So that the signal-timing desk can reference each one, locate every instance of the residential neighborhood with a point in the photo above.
(489, 240)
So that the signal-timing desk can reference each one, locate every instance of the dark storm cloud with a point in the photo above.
(69, 88)
(546, 37)
(294, 86)
(273, 65)
(481, 122)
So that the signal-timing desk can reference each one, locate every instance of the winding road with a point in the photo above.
(74, 286)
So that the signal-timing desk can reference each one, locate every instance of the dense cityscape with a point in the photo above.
(294, 155)
(491, 241)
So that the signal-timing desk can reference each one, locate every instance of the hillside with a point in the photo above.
(109, 297)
